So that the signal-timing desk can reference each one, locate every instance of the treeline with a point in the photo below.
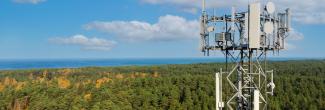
(299, 85)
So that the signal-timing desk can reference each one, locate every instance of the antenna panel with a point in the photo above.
(254, 25)
(245, 36)
(268, 28)
(282, 44)
(288, 20)
(233, 15)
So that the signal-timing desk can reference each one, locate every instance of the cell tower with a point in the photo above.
(245, 38)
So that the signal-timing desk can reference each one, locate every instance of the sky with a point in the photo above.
(32, 29)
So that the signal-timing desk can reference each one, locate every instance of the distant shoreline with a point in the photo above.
(80, 63)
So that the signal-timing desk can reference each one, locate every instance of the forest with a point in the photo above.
(300, 85)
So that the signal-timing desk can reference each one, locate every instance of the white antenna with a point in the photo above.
(268, 27)
(233, 15)
(203, 6)
(288, 12)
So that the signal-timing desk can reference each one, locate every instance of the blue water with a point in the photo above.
(75, 63)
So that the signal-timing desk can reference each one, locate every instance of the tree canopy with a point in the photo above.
(299, 85)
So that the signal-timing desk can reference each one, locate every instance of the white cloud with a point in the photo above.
(85, 42)
(192, 6)
(190, 10)
(289, 46)
(304, 11)
(168, 28)
(29, 1)
(198, 3)
(293, 36)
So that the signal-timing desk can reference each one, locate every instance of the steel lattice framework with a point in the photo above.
(245, 39)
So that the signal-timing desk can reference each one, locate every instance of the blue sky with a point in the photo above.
(127, 28)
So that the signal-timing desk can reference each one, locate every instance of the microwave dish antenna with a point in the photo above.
(270, 7)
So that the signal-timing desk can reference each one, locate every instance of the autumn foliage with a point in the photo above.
(166, 87)
(63, 82)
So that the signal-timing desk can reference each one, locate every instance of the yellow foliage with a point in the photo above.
(137, 74)
(155, 75)
(143, 75)
(119, 76)
(10, 81)
(2, 87)
(49, 83)
(86, 82)
(99, 82)
(63, 83)
(87, 97)
(40, 79)
(132, 76)
(20, 85)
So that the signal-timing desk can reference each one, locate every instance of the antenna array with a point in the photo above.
(245, 38)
